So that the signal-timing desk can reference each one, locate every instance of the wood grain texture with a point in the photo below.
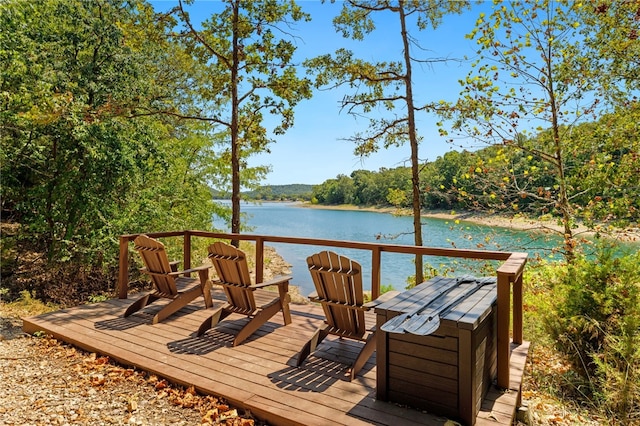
(259, 375)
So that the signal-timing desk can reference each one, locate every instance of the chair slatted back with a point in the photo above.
(233, 272)
(157, 264)
(338, 282)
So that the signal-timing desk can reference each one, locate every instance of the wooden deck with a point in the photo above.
(258, 375)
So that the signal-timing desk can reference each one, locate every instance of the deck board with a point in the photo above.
(258, 375)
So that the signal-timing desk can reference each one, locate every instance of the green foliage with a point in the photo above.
(83, 157)
(248, 74)
(293, 192)
(77, 168)
(602, 177)
(366, 188)
(595, 322)
(385, 288)
(97, 298)
(544, 68)
(335, 191)
(538, 299)
(605, 175)
(612, 47)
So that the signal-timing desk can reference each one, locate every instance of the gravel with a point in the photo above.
(47, 382)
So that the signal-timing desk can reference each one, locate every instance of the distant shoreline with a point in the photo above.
(517, 222)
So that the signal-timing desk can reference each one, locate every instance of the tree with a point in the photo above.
(65, 143)
(248, 57)
(340, 190)
(385, 85)
(535, 79)
(611, 31)
(79, 164)
(606, 174)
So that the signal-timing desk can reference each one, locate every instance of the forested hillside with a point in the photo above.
(602, 172)
(293, 192)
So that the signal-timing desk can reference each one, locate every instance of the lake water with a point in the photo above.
(294, 220)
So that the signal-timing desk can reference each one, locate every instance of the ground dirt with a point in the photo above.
(47, 382)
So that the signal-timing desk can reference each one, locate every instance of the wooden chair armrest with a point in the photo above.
(381, 299)
(188, 271)
(282, 279)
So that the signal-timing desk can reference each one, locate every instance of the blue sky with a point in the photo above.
(314, 149)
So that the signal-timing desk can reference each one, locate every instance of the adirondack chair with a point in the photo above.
(233, 273)
(338, 283)
(166, 279)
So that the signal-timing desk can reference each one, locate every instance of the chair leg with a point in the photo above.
(205, 285)
(140, 303)
(365, 353)
(182, 300)
(285, 298)
(263, 315)
(213, 320)
(312, 344)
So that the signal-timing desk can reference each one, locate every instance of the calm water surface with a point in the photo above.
(294, 220)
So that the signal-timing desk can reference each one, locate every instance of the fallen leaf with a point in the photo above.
(102, 360)
(132, 405)
(211, 416)
(98, 380)
(228, 414)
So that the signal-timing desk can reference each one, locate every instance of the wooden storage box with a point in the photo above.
(449, 372)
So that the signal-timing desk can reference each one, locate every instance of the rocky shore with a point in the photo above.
(518, 221)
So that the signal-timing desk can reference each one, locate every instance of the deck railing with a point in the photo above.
(509, 274)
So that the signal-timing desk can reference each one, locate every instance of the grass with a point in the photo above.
(25, 305)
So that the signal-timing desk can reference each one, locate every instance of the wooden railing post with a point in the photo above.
(509, 273)
(504, 307)
(123, 268)
(517, 310)
(375, 273)
(186, 251)
(259, 260)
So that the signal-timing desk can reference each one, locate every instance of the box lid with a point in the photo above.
(467, 313)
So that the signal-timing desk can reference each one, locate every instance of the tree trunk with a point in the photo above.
(235, 142)
(413, 141)
(563, 199)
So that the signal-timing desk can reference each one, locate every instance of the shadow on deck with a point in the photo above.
(259, 375)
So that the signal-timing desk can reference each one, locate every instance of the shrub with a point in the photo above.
(595, 322)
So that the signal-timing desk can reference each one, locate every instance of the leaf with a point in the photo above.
(211, 416)
(162, 384)
(98, 380)
(229, 414)
(132, 404)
